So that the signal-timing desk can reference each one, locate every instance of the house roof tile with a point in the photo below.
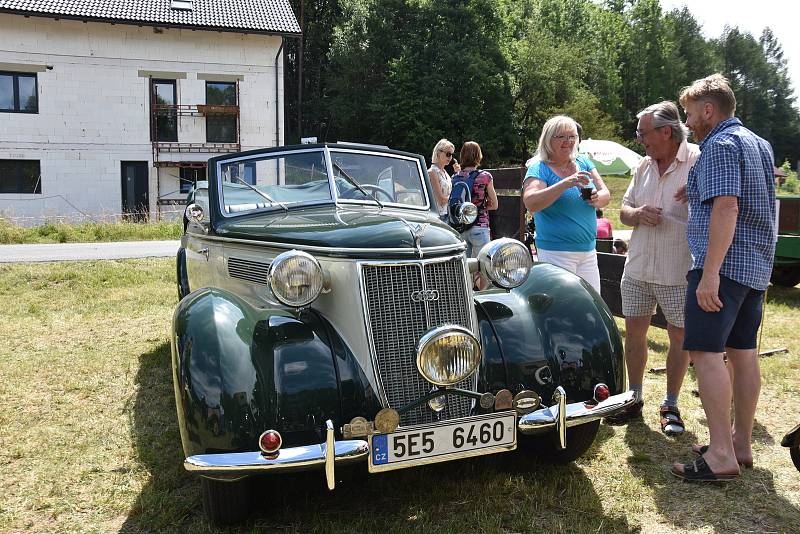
(261, 16)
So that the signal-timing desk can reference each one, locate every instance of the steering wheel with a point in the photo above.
(369, 188)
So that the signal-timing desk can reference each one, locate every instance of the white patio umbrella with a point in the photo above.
(609, 157)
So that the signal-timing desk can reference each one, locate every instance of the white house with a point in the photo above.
(113, 106)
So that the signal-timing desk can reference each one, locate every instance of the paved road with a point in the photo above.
(110, 251)
(87, 251)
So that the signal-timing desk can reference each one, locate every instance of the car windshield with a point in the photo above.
(270, 181)
(389, 179)
(274, 181)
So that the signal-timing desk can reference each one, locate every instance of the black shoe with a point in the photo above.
(631, 413)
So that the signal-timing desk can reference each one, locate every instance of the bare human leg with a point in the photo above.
(715, 393)
(636, 347)
(746, 389)
(677, 360)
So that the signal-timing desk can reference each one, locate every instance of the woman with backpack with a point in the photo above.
(440, 179)
(563, 189)
(482, 195)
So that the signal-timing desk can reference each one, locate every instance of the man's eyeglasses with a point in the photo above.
(640, 134)
(565, 137)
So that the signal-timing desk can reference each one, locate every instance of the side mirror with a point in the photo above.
(194, 212)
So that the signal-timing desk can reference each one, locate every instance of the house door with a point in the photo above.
(135, 199)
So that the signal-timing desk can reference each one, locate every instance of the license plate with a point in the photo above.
(440, 442)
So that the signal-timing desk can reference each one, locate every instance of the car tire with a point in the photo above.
(785, 275)
(579, 439)
(226, 503)
(794, 451)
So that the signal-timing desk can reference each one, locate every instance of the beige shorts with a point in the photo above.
(640, 298)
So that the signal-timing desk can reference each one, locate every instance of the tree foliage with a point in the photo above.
(406, 72)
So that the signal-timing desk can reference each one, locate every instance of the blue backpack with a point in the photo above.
(461, 192)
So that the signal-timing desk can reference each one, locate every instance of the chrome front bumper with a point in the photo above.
(326, 455)
(234, 465)
(562, 415)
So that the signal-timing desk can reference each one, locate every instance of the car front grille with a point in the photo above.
(396, 324)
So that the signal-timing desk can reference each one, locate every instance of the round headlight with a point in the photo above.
(295, 278)
(447, 355)
(506, 262)
(466, 213)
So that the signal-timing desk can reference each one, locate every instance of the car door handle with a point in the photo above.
(204, 252)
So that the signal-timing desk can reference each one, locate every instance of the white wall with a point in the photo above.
(94, 105)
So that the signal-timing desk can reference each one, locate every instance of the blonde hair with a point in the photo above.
(550, 130)
(442, 146)
(470, 154)
(714, 89)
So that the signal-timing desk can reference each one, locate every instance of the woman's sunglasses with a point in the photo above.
(448, 154)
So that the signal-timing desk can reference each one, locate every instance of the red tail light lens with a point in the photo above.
(601, 392)
(270, 442)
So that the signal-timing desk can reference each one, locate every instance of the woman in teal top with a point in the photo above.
(562, 190)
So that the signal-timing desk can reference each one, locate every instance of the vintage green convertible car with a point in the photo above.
(327, 317)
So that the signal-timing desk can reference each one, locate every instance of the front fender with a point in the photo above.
(554, 330)
(239, 370)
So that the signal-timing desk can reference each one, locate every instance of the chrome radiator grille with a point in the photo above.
(397, 323)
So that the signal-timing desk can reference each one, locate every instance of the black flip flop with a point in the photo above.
(700, 450)
(698, 471)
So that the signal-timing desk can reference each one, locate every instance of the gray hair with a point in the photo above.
(666, 114)
(551, 128)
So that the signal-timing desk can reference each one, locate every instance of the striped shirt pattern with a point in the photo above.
(735, 162)
(660, 254)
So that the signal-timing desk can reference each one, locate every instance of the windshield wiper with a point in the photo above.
(262, 194)
(358, 185)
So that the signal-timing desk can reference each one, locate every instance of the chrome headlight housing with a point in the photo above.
(506, 262)
(295, 278)
(466, 213)
(447, 355)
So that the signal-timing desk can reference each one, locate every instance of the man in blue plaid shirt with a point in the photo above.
(731, 234)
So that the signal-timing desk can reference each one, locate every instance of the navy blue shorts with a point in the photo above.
(735, 325)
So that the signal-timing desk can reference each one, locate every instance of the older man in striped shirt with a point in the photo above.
(658, 256)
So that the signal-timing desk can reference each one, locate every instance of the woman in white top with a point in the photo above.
(440, 180)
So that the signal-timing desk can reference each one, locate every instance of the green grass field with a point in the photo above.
(617, 185)
(11, 234)
(89, 439)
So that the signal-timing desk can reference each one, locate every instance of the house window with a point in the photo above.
(190, 176)
(220, 122)
(20, 176)
(163, 100)
(19, 92)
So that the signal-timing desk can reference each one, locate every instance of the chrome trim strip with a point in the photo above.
(330, 455)
(560, 396)
(574, 414)
(302, 458)
(441, 249)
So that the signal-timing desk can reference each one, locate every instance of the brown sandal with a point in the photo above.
(671, 422)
